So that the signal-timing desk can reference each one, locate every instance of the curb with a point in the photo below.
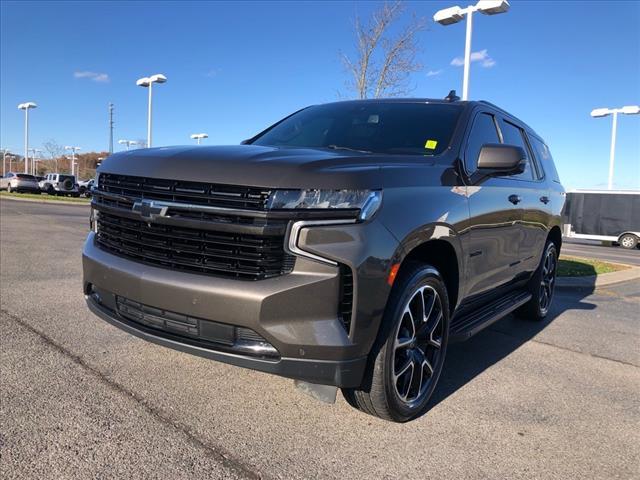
(46, 202)
(597, 281)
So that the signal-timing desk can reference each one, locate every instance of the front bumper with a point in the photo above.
(341, 373)
(296, 313)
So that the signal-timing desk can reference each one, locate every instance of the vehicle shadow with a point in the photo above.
(468, 359)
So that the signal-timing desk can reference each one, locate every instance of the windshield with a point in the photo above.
(379, 127)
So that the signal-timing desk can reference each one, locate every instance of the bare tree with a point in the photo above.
(54, 151)
(384, 61)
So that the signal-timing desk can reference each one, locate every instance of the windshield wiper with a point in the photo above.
(338, 147)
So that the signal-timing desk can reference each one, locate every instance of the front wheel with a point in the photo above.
(407, 359)
(628, 241)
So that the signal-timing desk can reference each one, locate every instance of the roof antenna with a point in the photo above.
(452, 97)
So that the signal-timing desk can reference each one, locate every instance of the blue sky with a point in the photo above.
(234, 68)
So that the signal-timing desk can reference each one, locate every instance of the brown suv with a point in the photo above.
(345, 246)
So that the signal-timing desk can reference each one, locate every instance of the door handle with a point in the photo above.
(515, 199)
(544, 199)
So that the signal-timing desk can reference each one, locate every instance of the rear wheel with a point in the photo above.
(628, 241)
(542, 286)
(408, 357)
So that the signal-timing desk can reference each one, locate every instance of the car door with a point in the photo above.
(534, 199)
(494, 230)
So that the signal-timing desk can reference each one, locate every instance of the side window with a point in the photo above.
(514, 135)
(544, 157)
(483, 131)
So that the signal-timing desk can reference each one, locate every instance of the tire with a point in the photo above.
(406, 342)
(51, 190)
(628, 241)
(541, 286)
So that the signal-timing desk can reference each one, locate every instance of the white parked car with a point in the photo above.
(19, 182)
(85, 186)
(60, 184)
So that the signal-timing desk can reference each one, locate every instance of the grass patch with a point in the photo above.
(585, 267)
(44, 197)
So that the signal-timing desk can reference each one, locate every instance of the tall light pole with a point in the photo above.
(199, 136)
(73, 157)
(34, 152)
(452, 15)
(5, 154)
(605, 112)
(127, 143)
(110, 128)
(148, 82)
(26, 106)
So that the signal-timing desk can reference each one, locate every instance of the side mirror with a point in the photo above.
(246, 142)
(499, 159)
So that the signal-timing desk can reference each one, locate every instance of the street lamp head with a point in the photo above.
(122, 142)
(631, 110)
(199, 135)
(600, 112)
(157, 78)
(449, 15)
(146, 81)
(27, 105)
(492, 7)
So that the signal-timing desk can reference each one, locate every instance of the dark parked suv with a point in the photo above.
(345, 246)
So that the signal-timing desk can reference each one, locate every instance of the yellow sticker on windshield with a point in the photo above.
(431, 144)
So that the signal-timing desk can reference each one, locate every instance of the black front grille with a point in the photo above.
(196, 193)
(234, 255)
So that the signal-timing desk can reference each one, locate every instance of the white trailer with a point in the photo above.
(604, 215)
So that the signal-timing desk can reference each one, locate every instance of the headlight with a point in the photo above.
(367, 201)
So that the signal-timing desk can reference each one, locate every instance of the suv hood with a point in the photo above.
(254, 165)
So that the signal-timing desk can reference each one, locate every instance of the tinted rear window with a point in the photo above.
(544, 157)
(25, 176)
(392, 128)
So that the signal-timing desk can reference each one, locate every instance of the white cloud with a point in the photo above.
(212, 73)
(433, 73)
(481, 56)
(96, 77)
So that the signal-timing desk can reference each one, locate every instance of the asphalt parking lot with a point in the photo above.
(81, 399)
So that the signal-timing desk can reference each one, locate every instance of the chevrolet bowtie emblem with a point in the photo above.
(149, 210)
